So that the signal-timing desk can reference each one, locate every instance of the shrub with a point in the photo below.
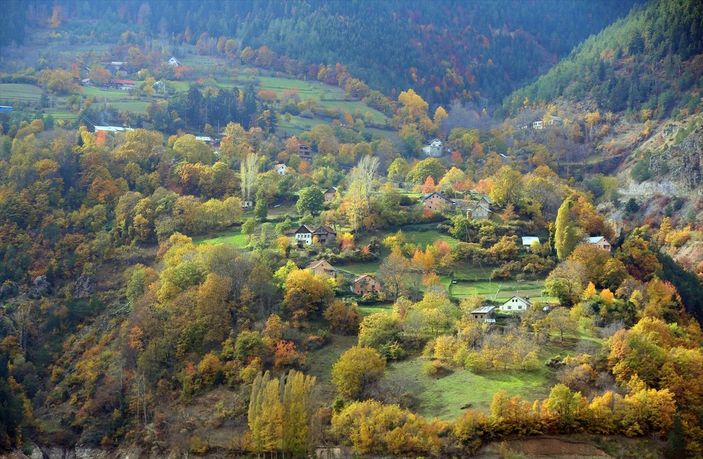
(356, 370)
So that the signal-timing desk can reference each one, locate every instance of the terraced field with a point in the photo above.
(19, 92)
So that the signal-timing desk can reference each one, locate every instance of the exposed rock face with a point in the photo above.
(85, 286)
(40, 287)
(683, 163)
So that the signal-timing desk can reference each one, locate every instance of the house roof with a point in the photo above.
(365, 277)
(484, 310)
(529, 240)
(112, 128)
(303, 229)
(324, 230)
(429, 195)
(320, 264)
(524, 300)
(332, 189)
(122, 81)
(479, 205)
(595, 239)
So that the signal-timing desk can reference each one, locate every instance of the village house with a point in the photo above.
(484, 314)
(205, 139)
(247, 204)
(600, 242)
(478, 210)
(112, 129)
(434, 149)
(303, 235)
(539, 125)
(330, 194)
(555, 121)
(173, 62)
(527, 241)
(516, 304)
(159, 87)
(325, 236)
(366, 284)
(436, 202)
(322, 268)
(122, 84)
(305, 152)
(280, 168)
(116, 66)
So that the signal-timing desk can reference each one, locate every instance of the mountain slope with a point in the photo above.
(649, 60)
(444, 48)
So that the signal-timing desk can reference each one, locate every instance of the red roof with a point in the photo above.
(123, 82)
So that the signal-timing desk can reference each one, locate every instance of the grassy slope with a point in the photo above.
(233, 237)
(444, 397)
(320, 363)
(10, 92)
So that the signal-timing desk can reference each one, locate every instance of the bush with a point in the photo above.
(343, 317)
(641, 172)
(356, 370)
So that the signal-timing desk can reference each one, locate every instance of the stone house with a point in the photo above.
(436, 202)
(366, 284)
(322, 268)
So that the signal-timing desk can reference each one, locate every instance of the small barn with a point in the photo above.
(484, 314)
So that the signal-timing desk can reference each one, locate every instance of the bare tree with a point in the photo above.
(248, 172)
(361, 184)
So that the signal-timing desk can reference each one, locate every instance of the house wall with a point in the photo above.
(435, 204)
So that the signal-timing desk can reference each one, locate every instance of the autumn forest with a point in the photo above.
(337, 229)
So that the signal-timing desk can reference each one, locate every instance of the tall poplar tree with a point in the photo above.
(567, 233)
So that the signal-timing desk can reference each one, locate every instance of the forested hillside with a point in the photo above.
(649, 60)
(304, 228)
(444, 49)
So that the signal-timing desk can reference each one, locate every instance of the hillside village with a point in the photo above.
(213, 246)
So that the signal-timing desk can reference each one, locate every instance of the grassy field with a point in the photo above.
(498, 289)
(234, 237)
(100, 93)
(62, 115)
(444, 397)
(374, 308)
(369, 267)
(17, 92)
(425, 238)
(134, 106)
(473, 273)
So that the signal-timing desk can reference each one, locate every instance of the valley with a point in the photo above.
(367, 229)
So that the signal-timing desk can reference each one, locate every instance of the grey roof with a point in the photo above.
(324, 230)
(303, 229)
(483, 310)
(441, 195)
